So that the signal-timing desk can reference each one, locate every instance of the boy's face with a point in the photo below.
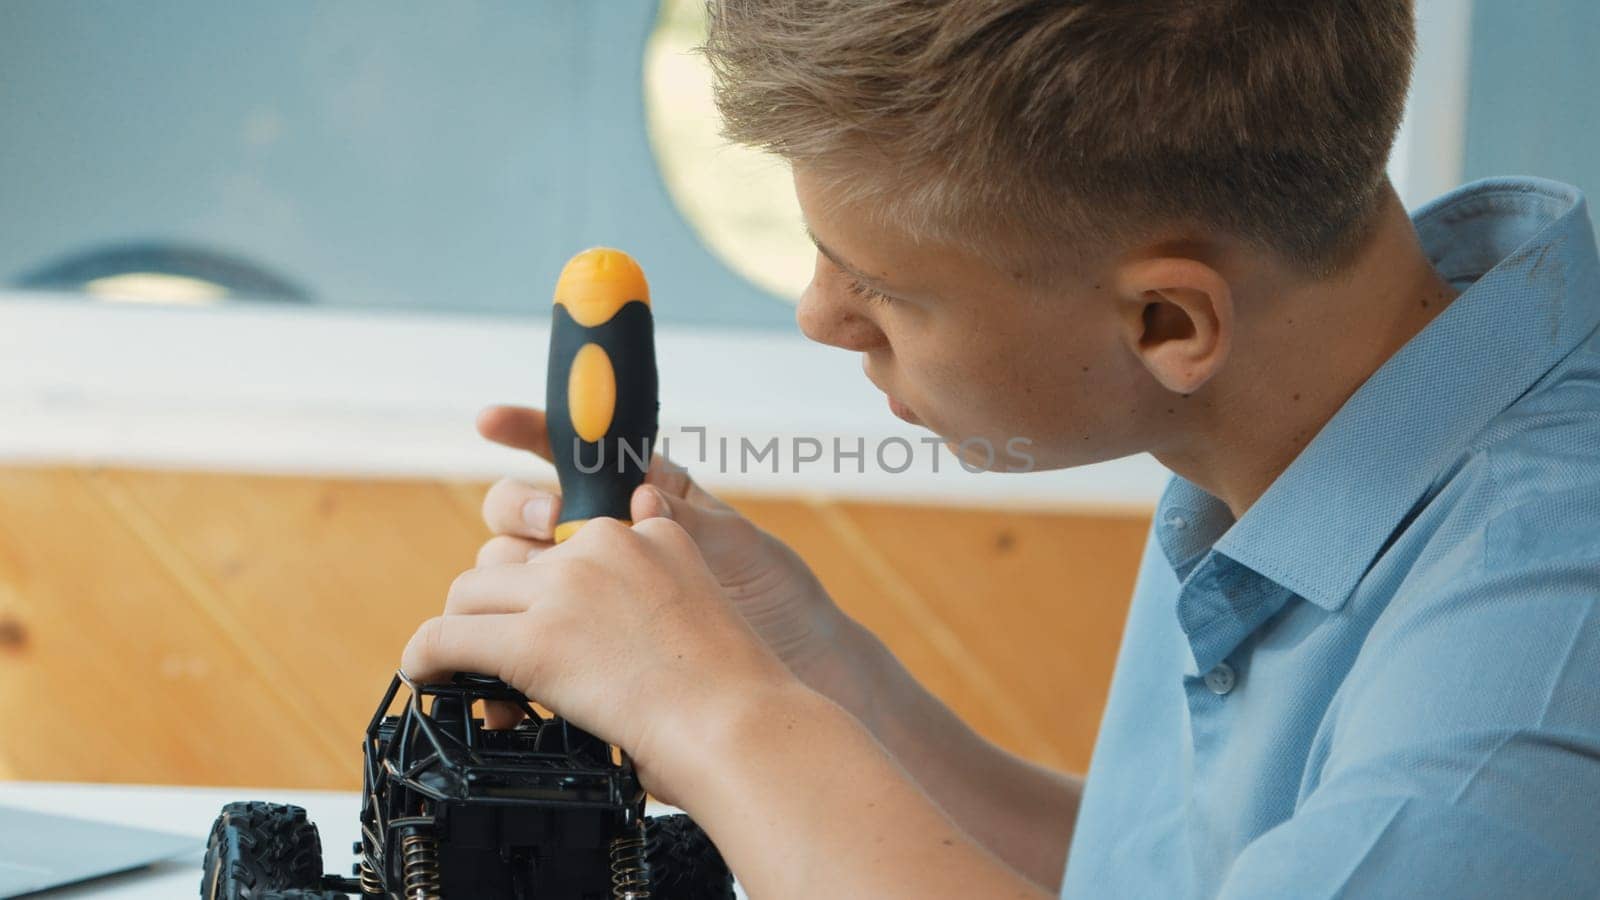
(972, 352)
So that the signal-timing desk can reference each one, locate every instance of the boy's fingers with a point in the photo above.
(515, 507)
(651, 502)
(668, 476)
(518, 427)
(524, 428)
(505, 549)
(501, 588)
(448, 644)
(499, 715)
(675, 480)
(484, 591)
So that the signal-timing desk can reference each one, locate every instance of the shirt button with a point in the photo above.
(1221, 679)
(1176, 520)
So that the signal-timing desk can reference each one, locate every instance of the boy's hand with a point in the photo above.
(768, 583)
(622, 630)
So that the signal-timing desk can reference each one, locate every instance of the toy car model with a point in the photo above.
(452, 810)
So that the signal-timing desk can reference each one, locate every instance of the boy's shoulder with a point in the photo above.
(1544, 456)
(1508, 537)
(1526, 491)
(1486, 656)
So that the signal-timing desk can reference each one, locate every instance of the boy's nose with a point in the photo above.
(837, 324)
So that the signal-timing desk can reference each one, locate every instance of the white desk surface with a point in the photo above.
(181, 810)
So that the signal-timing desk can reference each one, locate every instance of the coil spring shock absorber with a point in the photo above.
(630, 876)
(419, 857)
(371, 886)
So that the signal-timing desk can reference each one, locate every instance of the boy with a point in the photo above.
(1363, 656)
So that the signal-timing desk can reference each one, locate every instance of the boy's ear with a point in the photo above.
(1177, 319)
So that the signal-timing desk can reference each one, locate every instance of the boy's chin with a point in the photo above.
(1013, 455)
(1021, 456)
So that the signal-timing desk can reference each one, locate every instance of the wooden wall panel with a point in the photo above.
(1035, 603)
(199, 628)
(125, 669)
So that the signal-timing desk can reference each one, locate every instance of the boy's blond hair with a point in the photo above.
(1025, 126)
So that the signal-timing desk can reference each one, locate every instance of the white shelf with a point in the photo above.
(343, 392)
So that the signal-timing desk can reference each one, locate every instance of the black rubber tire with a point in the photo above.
(259, 848)
(682, 861)
(304, 895)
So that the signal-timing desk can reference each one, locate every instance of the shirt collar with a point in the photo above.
(1527, 250)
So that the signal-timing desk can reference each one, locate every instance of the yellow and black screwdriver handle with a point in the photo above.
(600, 399)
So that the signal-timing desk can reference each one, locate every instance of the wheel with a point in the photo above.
(682, 861)
(259, 848)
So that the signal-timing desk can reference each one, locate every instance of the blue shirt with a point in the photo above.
(1383, 680)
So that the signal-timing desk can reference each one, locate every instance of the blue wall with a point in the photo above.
(1533, 103)
(386, 154)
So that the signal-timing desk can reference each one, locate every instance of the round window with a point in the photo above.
(740, 201)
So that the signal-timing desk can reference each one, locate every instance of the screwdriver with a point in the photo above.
(600, 396)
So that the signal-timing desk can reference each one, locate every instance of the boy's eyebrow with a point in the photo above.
(838, 261)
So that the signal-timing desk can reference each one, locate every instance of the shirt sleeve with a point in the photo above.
(1463, 753)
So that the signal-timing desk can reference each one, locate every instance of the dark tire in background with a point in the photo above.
(682, 861)
(258, 849)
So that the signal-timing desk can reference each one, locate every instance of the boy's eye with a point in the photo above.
(855, 286)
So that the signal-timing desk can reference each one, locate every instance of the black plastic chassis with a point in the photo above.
(453, 809)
